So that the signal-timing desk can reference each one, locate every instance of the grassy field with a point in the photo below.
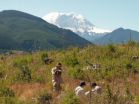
(26, 79)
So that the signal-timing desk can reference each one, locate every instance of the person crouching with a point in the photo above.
(79, 90)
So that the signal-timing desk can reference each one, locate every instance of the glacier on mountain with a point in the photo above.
(76, 23)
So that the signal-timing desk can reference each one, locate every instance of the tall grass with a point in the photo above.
(116, 71)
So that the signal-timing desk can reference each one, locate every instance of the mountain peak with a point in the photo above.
(11, 12)
(71, 14)
(76, 23)
(72, 21)
(120, 29)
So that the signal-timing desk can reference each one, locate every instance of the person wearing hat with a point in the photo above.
(79, 90)
(56, 77)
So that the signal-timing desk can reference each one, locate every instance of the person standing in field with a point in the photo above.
(57, 78)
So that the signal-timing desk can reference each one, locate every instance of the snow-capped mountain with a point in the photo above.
(76, 23)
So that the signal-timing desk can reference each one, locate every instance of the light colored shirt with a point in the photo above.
(79, 91)
(96, 90)
(56, 75)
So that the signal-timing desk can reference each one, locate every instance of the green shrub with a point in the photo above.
(24, 74)
(70, 98)
(20, 63)
(111, 48)
(76, 73)
(10, 100)
(44, 98)
(114, 97)
(2, 74)
(6, 92)
(72, 62)
(44, 56)
(129, 66)
(40, 79)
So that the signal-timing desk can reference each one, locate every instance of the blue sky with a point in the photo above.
(109, 14)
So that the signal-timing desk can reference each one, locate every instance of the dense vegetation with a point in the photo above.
(26, 79)
(22, 31)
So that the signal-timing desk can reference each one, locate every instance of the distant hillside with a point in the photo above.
(22, 31)
(118, 36)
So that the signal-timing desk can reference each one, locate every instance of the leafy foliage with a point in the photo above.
(77, 73)
(6, 92)
(72, 61)
(44, 98)
(70, 98)
(24, 74)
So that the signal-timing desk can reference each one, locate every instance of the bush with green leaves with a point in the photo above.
(111, 48)
(113, 97)
(70, 98)
(72, 61)
(24, 74)
(129, 66)
(44, 98)
(10, 100)
(6, 92)
(19, 63)
(76, 73)
(2, 73)
(40, 79)
(44, 55)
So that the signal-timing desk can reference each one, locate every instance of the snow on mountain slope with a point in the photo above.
(76, 23)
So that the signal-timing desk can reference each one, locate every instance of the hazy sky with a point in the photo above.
(109, 14)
